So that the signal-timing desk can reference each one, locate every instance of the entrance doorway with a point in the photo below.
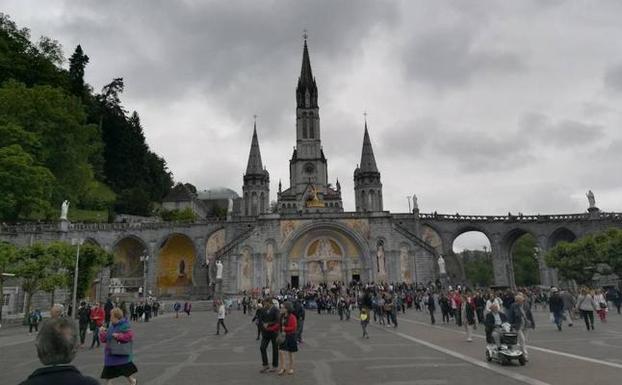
(356, 277)
(294, 281)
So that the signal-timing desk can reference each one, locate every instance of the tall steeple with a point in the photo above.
(306, 91)
(367, 185)
(368, 161)
(254, 165)
(256, 187)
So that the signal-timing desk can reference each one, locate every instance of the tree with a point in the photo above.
(92, 259)
(31, 267)
(578, 260)
(25, 186)
(526, 269)
(478, 267)
(8, 255)
(77, 64)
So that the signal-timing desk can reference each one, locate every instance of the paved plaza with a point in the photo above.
(186, 351)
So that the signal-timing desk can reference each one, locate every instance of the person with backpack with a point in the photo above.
(177, 308)
(34, 318)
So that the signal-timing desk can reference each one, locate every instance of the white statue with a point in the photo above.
(64, 209)
(415, 204)
(230, 206)
(441, 265)
(269, 263)
(219, 268)
(380, 261)
(590, 199)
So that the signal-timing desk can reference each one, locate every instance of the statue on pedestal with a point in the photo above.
(415, 203)
(591, 200)
(219, 268)
(441, 265)
(64, 209)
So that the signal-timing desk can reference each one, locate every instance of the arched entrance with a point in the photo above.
(472, 253)
(325, 252)
(126, 274)
(176, 262)
(527, 266)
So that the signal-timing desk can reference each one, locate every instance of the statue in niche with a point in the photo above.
(269, 263)
(380, 260)
(182, 268)
(404, 264)
(441, 265)
(590, 199)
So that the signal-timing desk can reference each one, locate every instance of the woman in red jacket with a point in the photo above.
(289, 326)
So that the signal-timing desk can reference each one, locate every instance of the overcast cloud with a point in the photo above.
(477, 107)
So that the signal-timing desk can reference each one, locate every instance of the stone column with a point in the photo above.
(500, 262)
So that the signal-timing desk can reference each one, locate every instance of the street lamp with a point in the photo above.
(144, 259)
(78, 242)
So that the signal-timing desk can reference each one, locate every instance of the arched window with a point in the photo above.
(311, 131)
(304, 126)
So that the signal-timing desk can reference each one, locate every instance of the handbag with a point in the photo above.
(280, 339)
(120, 348)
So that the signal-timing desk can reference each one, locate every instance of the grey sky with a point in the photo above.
(477, 107)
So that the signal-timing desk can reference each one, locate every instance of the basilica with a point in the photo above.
(307, 238)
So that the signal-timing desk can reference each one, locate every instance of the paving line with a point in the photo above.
(531, 347)
(492, 367)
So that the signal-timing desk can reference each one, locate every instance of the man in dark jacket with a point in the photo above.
(57, 344)
(299, 312)
(271, 323)
(84, 317)
(107, 308)
(556, 306)
(494, 319)
(429, 302)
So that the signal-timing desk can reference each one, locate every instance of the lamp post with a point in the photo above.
(144, 259)
(78, 242)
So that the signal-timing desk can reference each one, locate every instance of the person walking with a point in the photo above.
(290, 344)
(269, 328)
(257, 319)
(118, 355)
(569, 306)
(299, 311)
(84, 318)
(521, 320)
(587, 307)
(429, 302)
(556, 307)
(33, 321)
(364, 316)
(601, 303)
(468, 316)
(177, 308)
(107, 308)
(188, 308)
(97, 320)
(221, 318)
(445, 307)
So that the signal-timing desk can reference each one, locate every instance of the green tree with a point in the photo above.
(8, 256)
(478, 267)
(184, 215)
(77, 65)
(526, 269)
(31, 267)
(92, 259)
(59, 122)
(24, 186)
(578, 260)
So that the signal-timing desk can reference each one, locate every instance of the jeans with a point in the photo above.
(266, 339)
(588, 317)
(445, 316)
(221, 322)
(558, 316)
(82, 333)
(432, 320)
(301, 324)
(95, 339)
(33, 326)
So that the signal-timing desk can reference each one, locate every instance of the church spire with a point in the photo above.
(306, 92)
(254, 165)
(368, 161)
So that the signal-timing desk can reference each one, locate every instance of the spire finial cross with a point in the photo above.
(255, 118)
(365, 116)
(305, 34)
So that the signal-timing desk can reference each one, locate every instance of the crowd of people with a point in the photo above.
(279, 319)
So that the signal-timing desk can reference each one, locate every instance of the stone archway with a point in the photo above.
(508, 248)
(175, 265)
(126, 273)
(325, 252)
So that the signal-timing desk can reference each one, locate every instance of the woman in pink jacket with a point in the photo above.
(118, 363)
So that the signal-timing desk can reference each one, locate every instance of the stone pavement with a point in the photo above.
(186, 351)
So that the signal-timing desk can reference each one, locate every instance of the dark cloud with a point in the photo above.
(613, 78)
(451, 57)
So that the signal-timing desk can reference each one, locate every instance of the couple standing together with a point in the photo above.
(278, 327)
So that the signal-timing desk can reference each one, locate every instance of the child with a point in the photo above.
(364, 321)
